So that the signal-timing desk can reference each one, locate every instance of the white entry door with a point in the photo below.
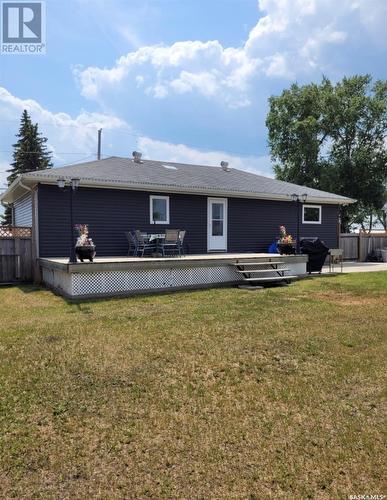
(217, 224)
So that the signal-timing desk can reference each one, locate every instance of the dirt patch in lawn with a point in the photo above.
(347, 299)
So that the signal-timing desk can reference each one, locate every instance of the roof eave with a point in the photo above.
(9, 196)
(33, 180)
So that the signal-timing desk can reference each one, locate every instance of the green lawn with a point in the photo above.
(222, 393)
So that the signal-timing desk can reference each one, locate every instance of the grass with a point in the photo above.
(206, 394)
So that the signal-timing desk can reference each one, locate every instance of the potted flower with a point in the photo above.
(285, 242)
(84, 248)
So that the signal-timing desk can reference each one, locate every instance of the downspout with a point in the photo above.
(27, 189)
(35, 234)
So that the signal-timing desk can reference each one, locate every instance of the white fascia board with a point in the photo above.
(7, 197)
(110, 184)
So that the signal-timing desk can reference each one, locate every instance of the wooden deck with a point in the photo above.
(185, 260)
(109, 276)
(207, 256)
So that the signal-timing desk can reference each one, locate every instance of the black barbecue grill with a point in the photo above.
(317, 253)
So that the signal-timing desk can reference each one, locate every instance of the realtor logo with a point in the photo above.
(23, 28)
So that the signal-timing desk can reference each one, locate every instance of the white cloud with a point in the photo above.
(139, 80)
(69, 138)
(165, 151)
(278, 66)
(72, 135)
(177, 67)
(159, 91)
(372, 16)
(281, 17)
(205, 82)
(292, 37)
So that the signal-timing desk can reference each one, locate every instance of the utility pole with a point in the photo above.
(99, 144)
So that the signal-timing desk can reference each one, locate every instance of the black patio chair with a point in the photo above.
(171, 243)
(144, 245)
(133, 243)
(181, 242)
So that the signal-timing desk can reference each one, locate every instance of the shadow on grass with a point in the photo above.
(30, 288)
(82, 303)
(23, 287)
(147, 295)
(323, 275)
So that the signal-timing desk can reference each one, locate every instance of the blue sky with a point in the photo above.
(181, 80)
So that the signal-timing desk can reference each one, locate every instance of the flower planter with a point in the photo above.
(286, 249)
(85, 252)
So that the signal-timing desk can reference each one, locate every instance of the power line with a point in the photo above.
(205, 149)
(137, 135)
(200, 149)
(80, 125)
(53, 152)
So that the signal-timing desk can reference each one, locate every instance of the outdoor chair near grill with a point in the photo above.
(133, 243)
(335, 257)
(143, 244)
(181, 242)
(171, 243)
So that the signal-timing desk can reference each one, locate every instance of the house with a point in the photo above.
(230, 218)
(222, 209)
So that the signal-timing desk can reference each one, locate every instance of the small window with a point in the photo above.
(159, 209)
(311, 214)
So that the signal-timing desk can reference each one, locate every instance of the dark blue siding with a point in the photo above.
(252, 224)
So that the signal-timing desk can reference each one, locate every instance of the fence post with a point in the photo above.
(362, 241)
(17, 256)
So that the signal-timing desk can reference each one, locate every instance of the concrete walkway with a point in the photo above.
(357, 267)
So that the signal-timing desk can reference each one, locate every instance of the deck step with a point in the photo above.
(259, 263)
(273, 278)
(250, 271)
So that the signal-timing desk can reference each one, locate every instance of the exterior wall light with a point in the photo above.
(73, 185)
(299, 200)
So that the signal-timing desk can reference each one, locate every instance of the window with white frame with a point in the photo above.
(311, 214)
(159, 209)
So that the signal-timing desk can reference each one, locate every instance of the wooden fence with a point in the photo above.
(349, 243)
(15, 254)
(359, 246)
(368, 243)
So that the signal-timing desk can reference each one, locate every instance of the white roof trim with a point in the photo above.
(162, 188)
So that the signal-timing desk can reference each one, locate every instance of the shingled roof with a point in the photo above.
(114, 172)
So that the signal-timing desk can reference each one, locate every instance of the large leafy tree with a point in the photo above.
(332, 137)
(30, 153)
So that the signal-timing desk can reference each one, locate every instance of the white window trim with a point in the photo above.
(155, 197)
(311, 206)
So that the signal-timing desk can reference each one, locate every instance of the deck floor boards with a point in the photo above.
(217, 256)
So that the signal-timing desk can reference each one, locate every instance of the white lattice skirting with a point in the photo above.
(80, 283)
(115, 282)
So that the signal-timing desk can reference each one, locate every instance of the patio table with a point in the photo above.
(152, 236)
(155, 237)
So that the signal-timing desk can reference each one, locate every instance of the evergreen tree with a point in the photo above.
(30, 154)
